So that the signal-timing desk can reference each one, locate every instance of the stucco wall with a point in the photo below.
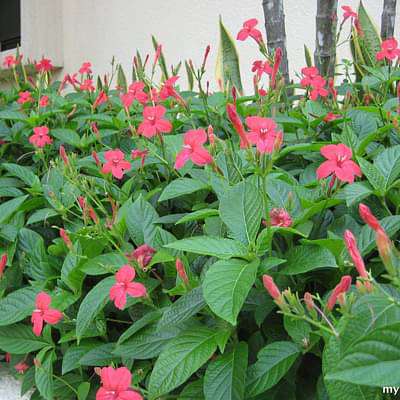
(74, 31)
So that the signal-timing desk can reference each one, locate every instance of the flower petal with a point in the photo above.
(136, 289)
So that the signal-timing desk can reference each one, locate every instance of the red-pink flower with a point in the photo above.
(87, 85)
(100, 99)
(127, 99)
(142, 255)
(193, 149)
(116, 385)
(44, 101)
(331, 117)
(21, 367)
(332, 90)
(348, 13)
(85, 68)
(154, 123)
(115, 163)
(237, 124)
(137, 90)
(271, 287)
(3, 262)
(280, 217)
(261, 67)
(262, 133)
(40, 136)
(338, 163)
(342, 287)
(44, 65)
(24, 97)
(389, 50)
(142, 154)
(10, 61)
(249, 29)
(318, 88)
(168, 89)
(43, 313)
(125, 286)
(309, 74)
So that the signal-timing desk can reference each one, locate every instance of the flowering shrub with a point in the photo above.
(159, 243)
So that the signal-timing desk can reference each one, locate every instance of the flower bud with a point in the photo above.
(211, 136)
(271, 288)
(342, 287)
(308, 300)
(237, 124)
(3, 262)
(368, 217)
(180, 269)
(65, 238)
(96, 158)
(63, 155)
(93, 215)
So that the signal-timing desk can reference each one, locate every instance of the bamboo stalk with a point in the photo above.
(325, 39)
(388, 19)
(276, 33)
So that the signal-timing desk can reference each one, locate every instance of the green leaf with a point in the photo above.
(184, 308)
(41, 215)
(24, 173)
(9, 207)
(306, 258)
(180, 187)
(13, 115)
(273, 362)
(70, 274)
(225, 377)
(99, 356)
(227, 69)
(17, 305)
(356, 192)
(226, 286)
(83, 390)
(374, 176)
(388, 163)
(104, 264)
(241, 209)
(210, 245)
(198, 215)
(183, 356)
(74, 353)
(192, 391)
(68, 136)
(44, 374)
(140, 220)
(92, 304)
(19, 339)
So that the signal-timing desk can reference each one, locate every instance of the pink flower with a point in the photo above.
(87, 85)
(193, 149)
(342, 287)
(332, 90)
(280, 217)
(261, 67)
(154, 123)
(127, 99)
(249, 29)
(318, 89)
(44, 101)
(44, 65)
(21, 367)
(389, 50)
(100, 99)
(142, 255)
(180, 269)
(348, 13)
(40, 136)
(136, 90)
(116, 385)
(338, 163)
(237, 124)
(115, 163)
(10, 61)
(43, 313)
(262, 133)
(124, 286)
(309, 73)
(271, 287)
(331, 117)
(3, 262)
(142, 154)
(85, 68)
(24, 97)
(168, 89)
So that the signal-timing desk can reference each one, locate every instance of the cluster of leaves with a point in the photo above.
(207, 328)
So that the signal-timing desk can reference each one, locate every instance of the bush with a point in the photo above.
(197, 245)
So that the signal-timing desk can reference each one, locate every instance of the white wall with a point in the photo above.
(95, 30)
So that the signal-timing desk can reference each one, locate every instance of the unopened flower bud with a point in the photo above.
(308, 300)
(180, 269)
(65, 238)
(271, 287)
(368, 217)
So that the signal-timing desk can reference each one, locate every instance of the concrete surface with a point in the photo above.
(10, 388)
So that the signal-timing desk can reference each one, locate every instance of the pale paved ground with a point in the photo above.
(10, 388)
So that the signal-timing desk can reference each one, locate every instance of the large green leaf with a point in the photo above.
(180, 187)
(183, 356)
(17, 305)
(356, 192)
(104, 264)
(273, 362)
(225, 377)
(226, 286)
(68, 136)
(99, 356)
(306, 258)
(24, 173)
(44, 374)
(19, 339)
(70, 274)
(373, 174)
(227, 69)
(241, 209)
(185, 307)
(92, 304)
(388, 163)
(9, 207)
(210, 245)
